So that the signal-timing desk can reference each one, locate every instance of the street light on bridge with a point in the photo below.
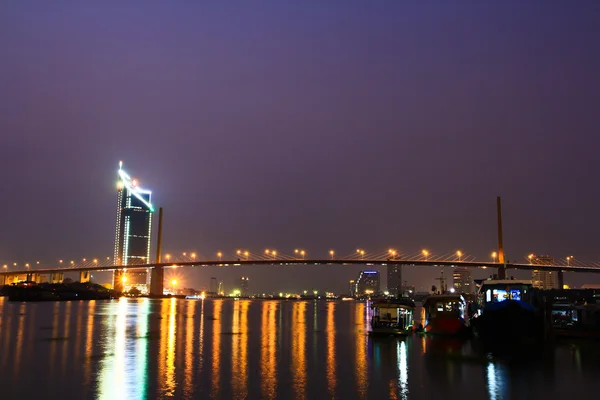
(331, 253)
(247, 254)
(220, 255)
(459, 255)
(425, 254)
(271, 252)
(530, 258)
(494, 254)
(301, 252)
(168, 257)
(193, 255)
(393, 253)
(362, 253)
(569, 260)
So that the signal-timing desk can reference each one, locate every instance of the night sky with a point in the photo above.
(312, 124)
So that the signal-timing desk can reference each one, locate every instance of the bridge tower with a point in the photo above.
(501, 260)
(158, 273)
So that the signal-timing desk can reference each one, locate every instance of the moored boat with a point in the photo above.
(392, 317)
(571, 320)
(509, 313)
(445, 314)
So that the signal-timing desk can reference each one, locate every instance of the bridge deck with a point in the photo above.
(229, 263)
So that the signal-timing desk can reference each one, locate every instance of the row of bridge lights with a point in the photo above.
(299, 252)
(568, 259)
(302, 253)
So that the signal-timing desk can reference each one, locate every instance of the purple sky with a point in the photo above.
(302, 124)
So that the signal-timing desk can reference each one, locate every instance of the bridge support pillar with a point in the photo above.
(2, 280)
(158, 273)
(560, 279)
(157, 277)
(84, 276)
(57, 277)
(118, 276)
(33, 278)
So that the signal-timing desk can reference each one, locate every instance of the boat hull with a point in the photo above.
(446, 326)
(511, 324)
(389, 331)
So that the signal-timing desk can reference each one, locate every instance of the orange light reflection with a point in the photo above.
(239, 345)
(361, 352)
(189, 351)
(299, 349)
(216, 349)
(268, 363)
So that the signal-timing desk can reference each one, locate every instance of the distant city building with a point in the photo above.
(221, 288)
(543, 279)
(352, 287)
(367, 283)
(134, 224)
(394, 279)
(244, 285)
(461, 280)
(214, 286)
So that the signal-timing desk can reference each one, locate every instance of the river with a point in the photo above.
(259, 349)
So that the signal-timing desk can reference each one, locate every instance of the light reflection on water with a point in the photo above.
(361, 349)
(268, 363)
(222, 349)
(216, 348)
(239, 345)
(299, 349)
(331, 361)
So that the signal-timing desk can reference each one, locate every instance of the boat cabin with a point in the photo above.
(392, 316)
(445, 313)
(449, 306)
(497, 291)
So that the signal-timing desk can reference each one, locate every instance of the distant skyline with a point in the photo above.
(303, 125)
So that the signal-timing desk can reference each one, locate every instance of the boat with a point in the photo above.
(576, 320)
(509, 313)
(392, 317)
(445, 314)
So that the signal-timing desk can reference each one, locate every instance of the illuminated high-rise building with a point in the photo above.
(461, 280)
(367, 283)
(244, 285)
(394, 279)
(134, 224)
(543, 279)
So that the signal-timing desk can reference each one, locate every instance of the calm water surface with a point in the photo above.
(255, 349)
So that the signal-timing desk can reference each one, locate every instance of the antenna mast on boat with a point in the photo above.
(442, 282)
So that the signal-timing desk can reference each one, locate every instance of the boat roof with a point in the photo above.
(446, 296)
(393, 302)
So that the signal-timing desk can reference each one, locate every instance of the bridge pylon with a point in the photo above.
(501, 260)
(157, 274)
